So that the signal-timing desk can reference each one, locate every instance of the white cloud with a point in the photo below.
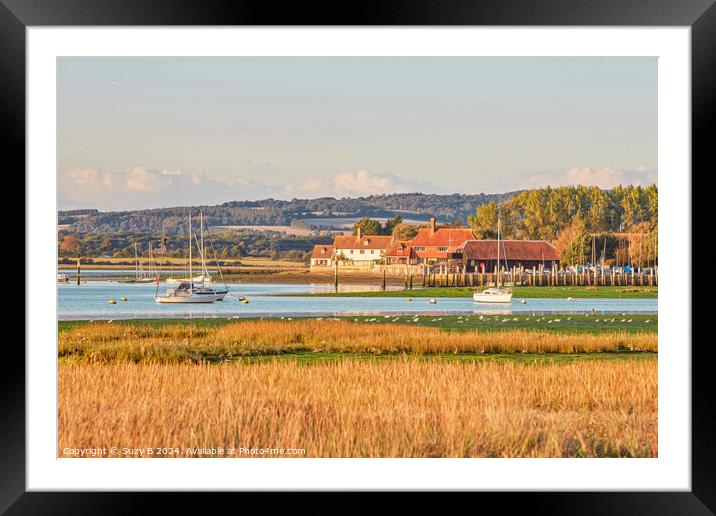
(144, 187)
(361, 183)
(603, 177)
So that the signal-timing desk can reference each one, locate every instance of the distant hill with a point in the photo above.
(272, 212)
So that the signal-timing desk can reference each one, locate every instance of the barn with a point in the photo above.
(481, 255)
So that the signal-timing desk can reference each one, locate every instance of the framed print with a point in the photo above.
(419, 252)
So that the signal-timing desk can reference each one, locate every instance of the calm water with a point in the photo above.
(90, 301)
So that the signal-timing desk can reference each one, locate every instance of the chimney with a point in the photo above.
(432, 225)
(358, 233)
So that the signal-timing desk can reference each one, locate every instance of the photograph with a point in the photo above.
(357, 257)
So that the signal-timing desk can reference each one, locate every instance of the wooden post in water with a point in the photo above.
(78, 269)
(335, 274)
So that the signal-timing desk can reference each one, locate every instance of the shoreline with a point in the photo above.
(558, 322)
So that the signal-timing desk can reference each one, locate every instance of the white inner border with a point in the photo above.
(671, 471)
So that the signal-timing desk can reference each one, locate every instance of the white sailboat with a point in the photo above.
(204, 279)
(498, 293)
(188, 291)
(140, 275)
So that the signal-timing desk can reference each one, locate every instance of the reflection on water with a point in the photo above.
(91, 301)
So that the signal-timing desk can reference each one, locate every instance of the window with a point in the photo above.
(420, 248)
(362, 251)
(442, 249)
(372, 251)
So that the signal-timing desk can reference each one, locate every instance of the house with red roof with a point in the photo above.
(361, 250)
(399, 253)
(322, 256)
(438, 245)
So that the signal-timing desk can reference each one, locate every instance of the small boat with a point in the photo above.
(492, 295)
(140, 275)
(498, 293)
(432, 301)
(63, 278)
(190, 291)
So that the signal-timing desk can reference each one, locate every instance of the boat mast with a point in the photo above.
(203, 263)
(191, 281)
(497, 284)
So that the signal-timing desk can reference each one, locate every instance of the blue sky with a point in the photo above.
(150, 132)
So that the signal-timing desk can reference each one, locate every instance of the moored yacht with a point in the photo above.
(190, 291)
(499, 293)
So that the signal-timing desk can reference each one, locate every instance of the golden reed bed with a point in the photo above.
(407, 407)
(109, 342)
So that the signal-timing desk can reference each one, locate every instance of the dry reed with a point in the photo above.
(106, 343)
(406, 407)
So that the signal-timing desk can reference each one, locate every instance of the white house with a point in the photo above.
(361, 250)
(322, 256)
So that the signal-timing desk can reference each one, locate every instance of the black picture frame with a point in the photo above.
(700, 15)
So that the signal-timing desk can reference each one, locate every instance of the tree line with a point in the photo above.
(586, 224)
(272, 212)
(225, 244)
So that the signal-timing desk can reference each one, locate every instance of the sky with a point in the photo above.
(136, 133)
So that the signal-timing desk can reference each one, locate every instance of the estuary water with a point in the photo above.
(90, 300)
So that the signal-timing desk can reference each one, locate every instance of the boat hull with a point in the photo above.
(488, 297)
(192, 299)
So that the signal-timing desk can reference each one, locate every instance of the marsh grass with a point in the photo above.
(111, 342)
(406, 407)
